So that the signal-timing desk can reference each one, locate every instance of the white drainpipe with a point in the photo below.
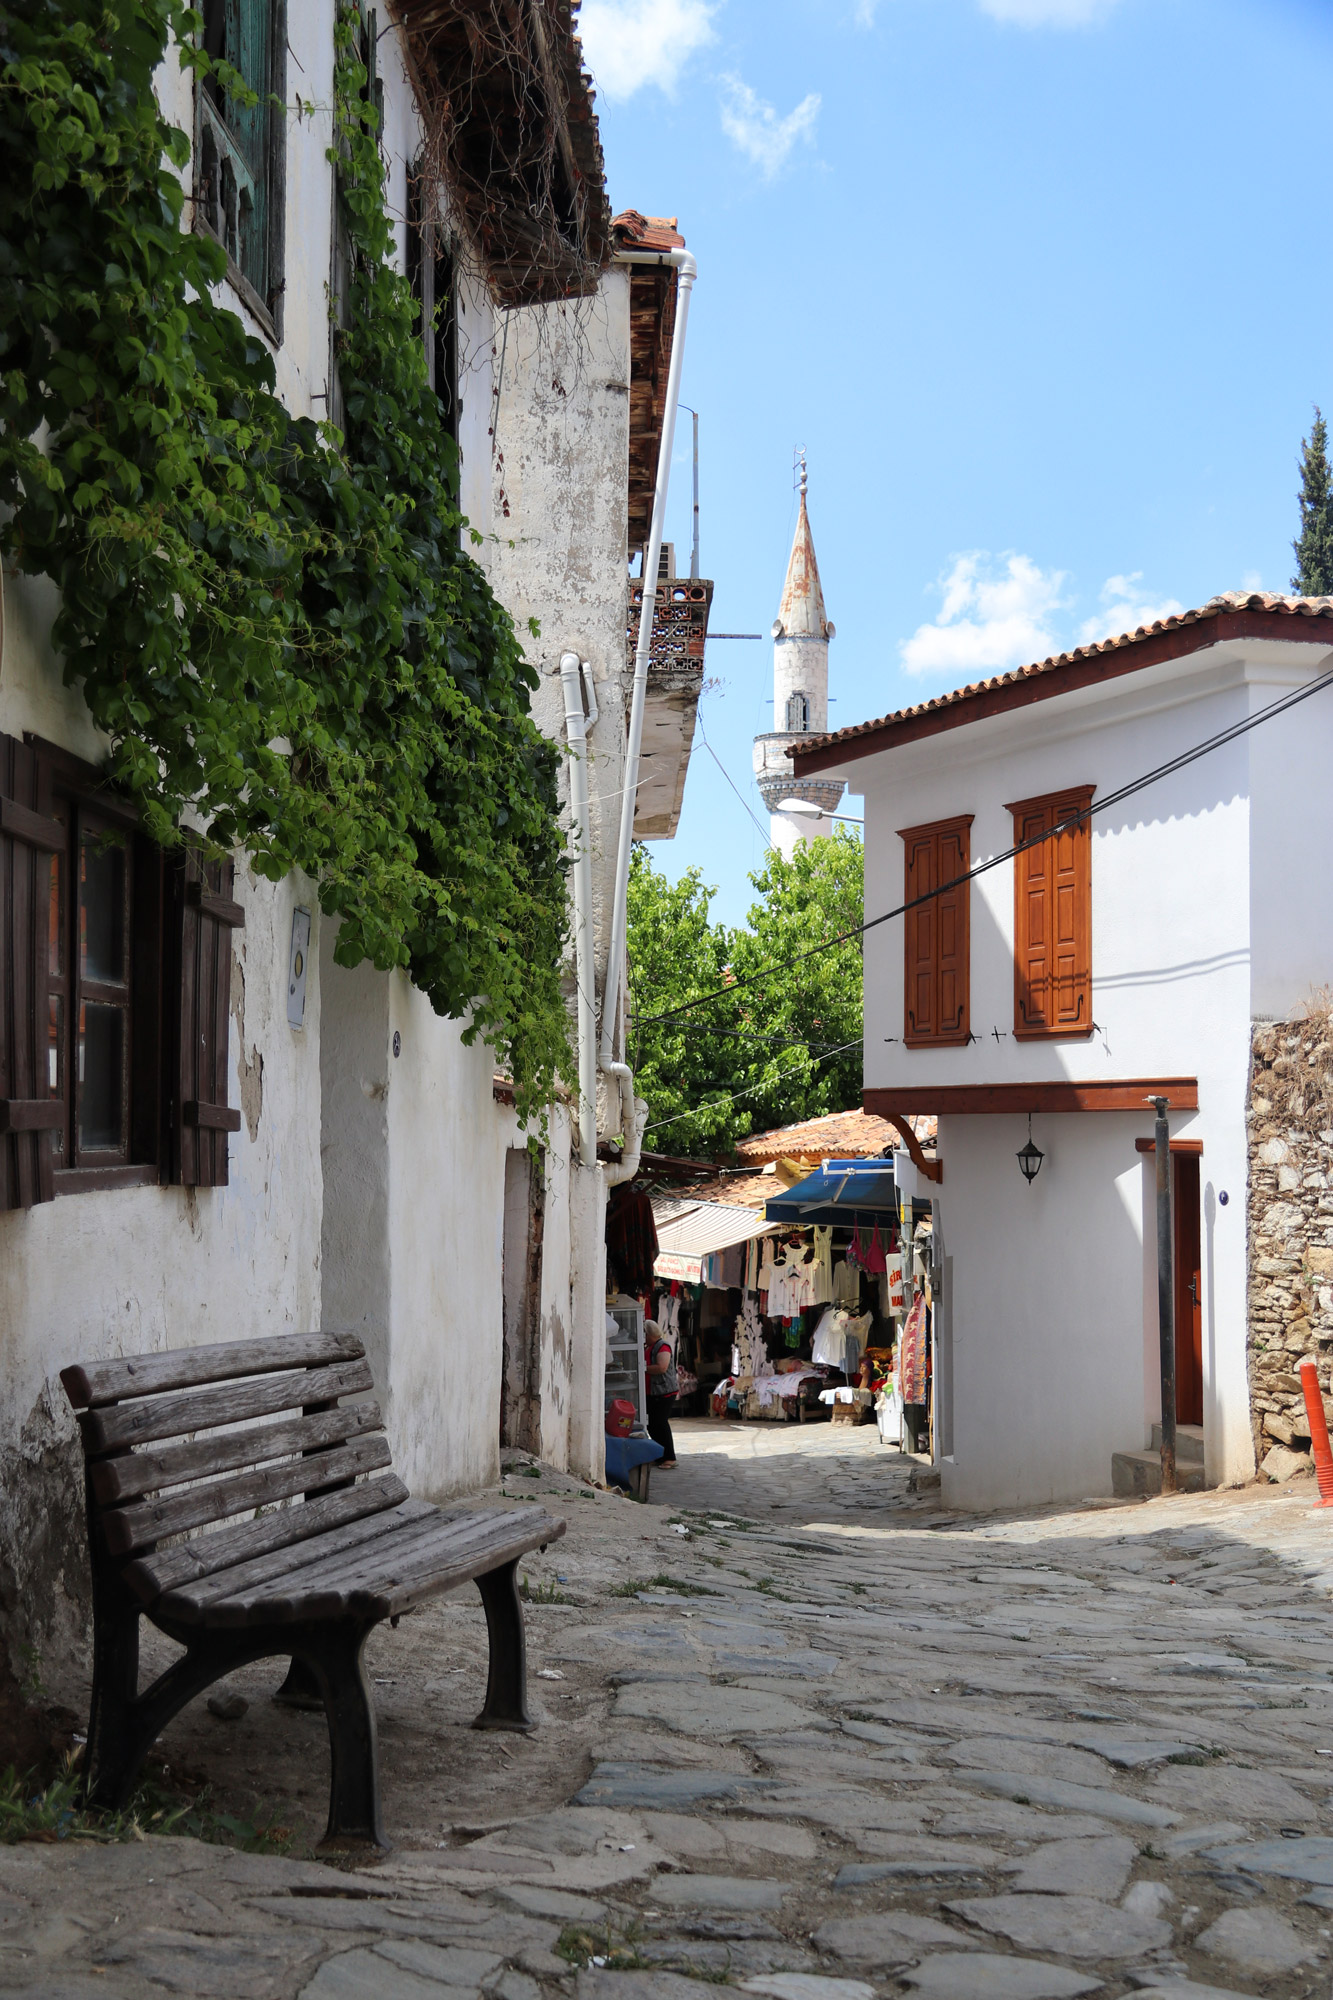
(688, 270)
(584, 969)
(633, 1116)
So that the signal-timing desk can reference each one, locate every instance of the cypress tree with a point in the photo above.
(1314, 546)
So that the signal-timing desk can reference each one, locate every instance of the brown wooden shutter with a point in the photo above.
(1053, 917)
(953, 1011)
(206, 916)
(920, 985)
(936, 952)
(30, 841)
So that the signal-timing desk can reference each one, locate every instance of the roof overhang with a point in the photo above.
(509, 112)
(1232, 618)
(671, 701)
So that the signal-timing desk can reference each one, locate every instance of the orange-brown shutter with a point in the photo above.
(936, 952)
(202, 1121)
(919, 958)
(30, 842)
(1053, 916)
(953, 1011)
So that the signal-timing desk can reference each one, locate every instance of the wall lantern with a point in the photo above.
(1030, 1156)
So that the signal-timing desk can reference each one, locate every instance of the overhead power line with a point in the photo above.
(719, 1103)
(1173, 764)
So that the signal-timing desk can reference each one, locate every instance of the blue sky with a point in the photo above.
(1042, 286)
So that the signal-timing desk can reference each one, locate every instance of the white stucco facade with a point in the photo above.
(1199, 922)
(367, 1183)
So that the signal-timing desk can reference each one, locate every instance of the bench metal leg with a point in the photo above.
(300, 1689)
(335, 1658)
(507, 1680)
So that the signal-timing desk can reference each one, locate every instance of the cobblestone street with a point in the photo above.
(803, 1734)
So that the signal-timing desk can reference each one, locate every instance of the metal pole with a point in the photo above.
(1166, 1298)
(694, 553)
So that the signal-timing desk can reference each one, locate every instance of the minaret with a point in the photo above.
(801, 634)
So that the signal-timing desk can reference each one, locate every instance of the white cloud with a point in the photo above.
(630, 43)
(865, 13)
(757, 130)
(995, 614)
(1124, 608)
(1048, 13)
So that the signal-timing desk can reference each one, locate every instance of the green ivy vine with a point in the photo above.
(273, 622)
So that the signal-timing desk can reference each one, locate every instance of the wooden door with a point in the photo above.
(1189, 1291)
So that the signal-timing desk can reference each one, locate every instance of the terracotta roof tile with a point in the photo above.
(632, 231)
(841, 1135)
(947, 711)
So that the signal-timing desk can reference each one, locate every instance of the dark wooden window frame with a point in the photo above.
(179, 914)
(432, 272)
(267, 308)
(1043, 1018)
(945, 845)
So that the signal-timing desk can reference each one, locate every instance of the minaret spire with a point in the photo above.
(801, 632)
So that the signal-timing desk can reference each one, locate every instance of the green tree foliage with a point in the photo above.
(273, 621)
(1314, 545)
(787, 1044)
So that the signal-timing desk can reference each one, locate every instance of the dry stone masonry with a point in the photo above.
(1290, 1231)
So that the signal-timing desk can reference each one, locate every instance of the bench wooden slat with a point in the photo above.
(291, 1569)
(150, 1576)
(191, 1600)
(100, 1382)
(391, 1574)
(129, 1528)
(209, 1409)
(130, 1474)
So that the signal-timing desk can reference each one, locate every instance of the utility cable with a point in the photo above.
(1173, 764)
(727, 775)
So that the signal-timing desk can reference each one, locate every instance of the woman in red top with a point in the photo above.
(659, 1360)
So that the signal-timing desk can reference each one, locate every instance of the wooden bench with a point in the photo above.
(322, 1543)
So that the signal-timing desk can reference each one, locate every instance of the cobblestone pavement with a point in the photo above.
(824, 1744)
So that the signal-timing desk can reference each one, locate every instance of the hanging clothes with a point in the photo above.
(846, 1284)
(823, 1266)
(912, 1354)
(631, 1239)
(874, 1261)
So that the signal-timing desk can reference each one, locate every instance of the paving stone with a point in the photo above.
(718, 1892)
(1148, 1899)
(857, 1873)
(809, 1986)
(1258, 1940)
(1221, 1789)
(258, 1968)
(897, 1938)
(1075, 1926)
(729, 1929)
(727, 1711)
(539, 1901)
(1189, 1989)
(451, 1965)
(1024, 1758)
(686, 1833)
(1306, 1860)
(1098, 1868)
(513, 1985)
(984, 1975)
(594, 1984)
(1000, 1819)
(365, 1975)
(1132, 1753)
(1192, 1839)
(1042, 1791)
(569, 1830)
(622, 1784)
(741, 1955)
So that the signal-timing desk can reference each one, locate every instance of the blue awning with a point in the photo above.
(837, 1191)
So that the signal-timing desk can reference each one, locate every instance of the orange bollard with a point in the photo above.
(1319, 1444)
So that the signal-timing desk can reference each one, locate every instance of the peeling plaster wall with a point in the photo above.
(128, 1269)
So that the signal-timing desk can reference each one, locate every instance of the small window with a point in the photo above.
(1053, 916)
(115, 974)
(936, 945)
(798, 712)
(431, 274)
(240, 149)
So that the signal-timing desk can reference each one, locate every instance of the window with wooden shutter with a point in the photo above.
(115, 982)
(240, 149)
(1053, 916)
(431, 274)
(206, 914)
(31, 1107)
(936, 945)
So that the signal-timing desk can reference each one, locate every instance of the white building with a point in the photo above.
(1130, 955)
(348, 1161)
(801, 634)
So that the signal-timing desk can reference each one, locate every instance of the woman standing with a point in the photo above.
(663, 1385)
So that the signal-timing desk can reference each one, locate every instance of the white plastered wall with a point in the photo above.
(1054, 1286)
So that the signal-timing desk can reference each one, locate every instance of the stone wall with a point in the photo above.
(1290, 1228)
